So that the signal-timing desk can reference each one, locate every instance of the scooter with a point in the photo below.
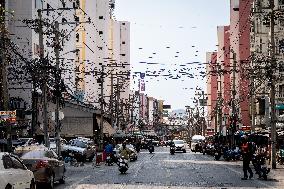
(280, 157)
(151, 149)
(260, 167)
(172, 150)
(122, 165)
(218, 153)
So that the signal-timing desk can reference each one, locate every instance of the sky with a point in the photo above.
(172, 33)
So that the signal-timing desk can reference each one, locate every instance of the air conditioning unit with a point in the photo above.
(281, 7)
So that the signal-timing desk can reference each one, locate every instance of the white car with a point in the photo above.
(179, 145)
(14, 174)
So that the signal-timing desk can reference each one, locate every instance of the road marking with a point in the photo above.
(240, 173)
(77, 183)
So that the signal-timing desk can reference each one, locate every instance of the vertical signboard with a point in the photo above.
(142, 82)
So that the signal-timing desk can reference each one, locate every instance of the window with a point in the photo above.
(77, 37)
(100, 32)
(281, 22)
(122, 54)
(101, 17)
(260, 45)
(38, 4)
(281, 2)
(123, 42)
(281, 90)
(123, 23)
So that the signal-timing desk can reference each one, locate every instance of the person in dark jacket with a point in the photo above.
(247, 155)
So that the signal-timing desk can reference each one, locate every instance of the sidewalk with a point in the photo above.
(278, 174)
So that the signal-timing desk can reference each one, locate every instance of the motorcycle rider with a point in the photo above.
(125, 152)
(150, 145)
(247, 156)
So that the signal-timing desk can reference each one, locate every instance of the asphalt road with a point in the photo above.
(162, 170)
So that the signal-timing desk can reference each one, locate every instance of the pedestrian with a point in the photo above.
(247, 156)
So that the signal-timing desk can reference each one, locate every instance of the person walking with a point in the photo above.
(247, 155)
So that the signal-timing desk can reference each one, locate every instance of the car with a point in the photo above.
(168, 142)
(162, 143)
(155, 142)
(46, 166)
(21, 176)
(27, 141)
(179, 145)
(80, 148)
(52, 143)
(196, 143)
(133, 156)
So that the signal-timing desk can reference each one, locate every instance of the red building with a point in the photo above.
(240, 44)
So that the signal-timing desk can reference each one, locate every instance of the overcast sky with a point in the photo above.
(172, 32)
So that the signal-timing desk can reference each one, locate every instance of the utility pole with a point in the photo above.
(203, 114)
(57, 88)
(272, 87)
(252, 106)
(44, 87)
(4, 86)
(117, 104)
(102, 108)
(188, 121)
(234, 113)
(111, 99)
(220, 108)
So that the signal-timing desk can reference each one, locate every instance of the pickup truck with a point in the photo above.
(81, 149)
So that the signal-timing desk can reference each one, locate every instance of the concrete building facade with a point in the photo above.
(212, 78)
(260, 45)
(223, 60)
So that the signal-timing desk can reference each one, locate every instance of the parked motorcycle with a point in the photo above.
(230, 154)
(218, 153)
(280, 156)
(122, 165)
(260, 167)
(172, 150)
(151, 149)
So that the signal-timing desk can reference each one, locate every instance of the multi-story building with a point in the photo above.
(223, 60)
(240, 44)
(212, 78)
(260, 50)
(84, 49)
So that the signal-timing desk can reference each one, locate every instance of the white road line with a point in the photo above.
(75, 184)
(240, 173)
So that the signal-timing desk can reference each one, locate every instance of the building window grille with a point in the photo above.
(77, 37)
(260, 45)
(281, 90)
